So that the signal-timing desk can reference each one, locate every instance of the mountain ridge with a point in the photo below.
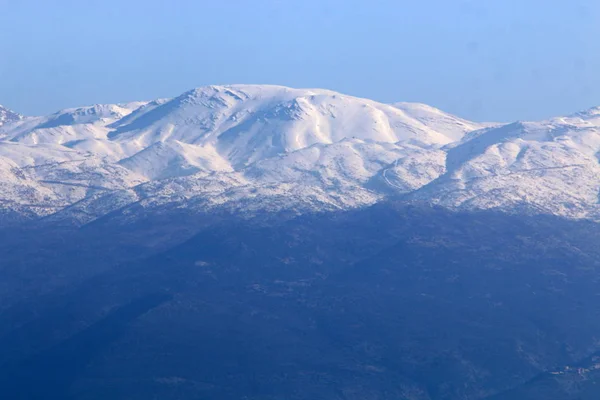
(310, 148)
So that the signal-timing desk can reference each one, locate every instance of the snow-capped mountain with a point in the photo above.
(259, 147)
(8, 116)
(549, 166)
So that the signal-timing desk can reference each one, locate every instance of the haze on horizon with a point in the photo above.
(494, 60)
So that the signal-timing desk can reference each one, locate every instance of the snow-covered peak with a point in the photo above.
(264, 147)
(548, 166)
(97, 113)
(8, 116)
(249, 123)
(590, 113)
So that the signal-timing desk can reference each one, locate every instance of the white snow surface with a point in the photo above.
(251, 148)
(8, 116)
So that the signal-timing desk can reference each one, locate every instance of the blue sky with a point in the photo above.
(482, 59)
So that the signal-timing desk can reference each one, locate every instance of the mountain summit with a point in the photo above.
(8, 116)
(260, 147)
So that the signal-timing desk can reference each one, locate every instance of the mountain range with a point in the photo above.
(263, 243)
(252, 148)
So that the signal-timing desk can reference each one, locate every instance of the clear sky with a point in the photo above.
(482, 59)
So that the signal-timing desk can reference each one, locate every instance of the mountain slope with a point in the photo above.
(387, 302)
(272, 147)
(325, 147)
(7, 116)
(548, 166)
